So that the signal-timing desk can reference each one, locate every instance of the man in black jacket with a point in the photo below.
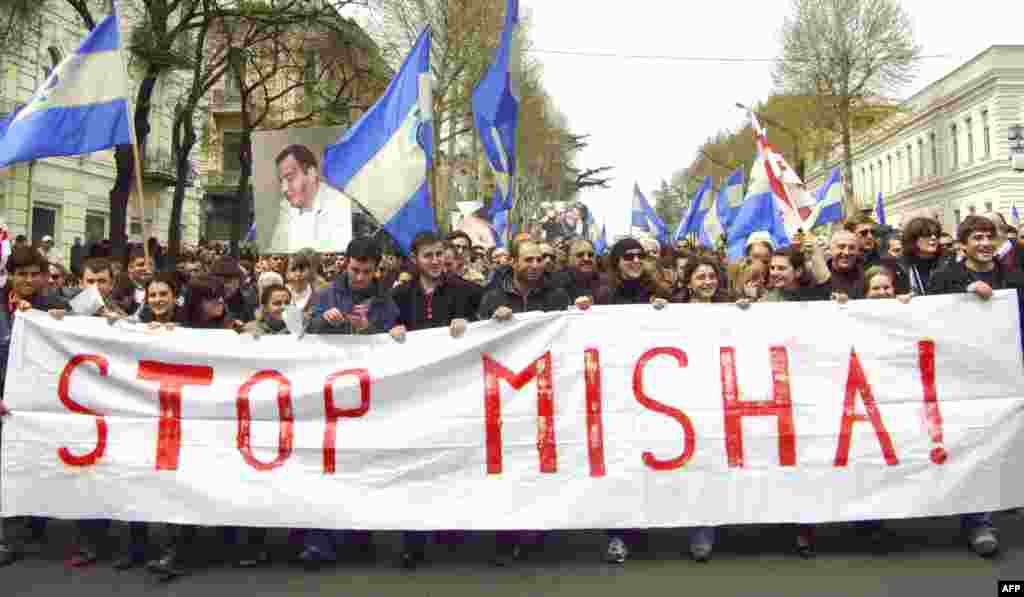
(523, 288)
(979, 273)
(519, 290)
(431, 300)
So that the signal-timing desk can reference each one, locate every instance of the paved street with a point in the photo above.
(926, 558)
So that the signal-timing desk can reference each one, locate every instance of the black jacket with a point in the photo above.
(450, 300)
(955, 278)
(546, 297)
(577, 284)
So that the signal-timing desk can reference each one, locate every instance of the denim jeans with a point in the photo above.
(977, 520)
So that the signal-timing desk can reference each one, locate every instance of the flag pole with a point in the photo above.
(137, 161)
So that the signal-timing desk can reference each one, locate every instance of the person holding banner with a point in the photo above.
(27, 268)
(521, 289)
(629, 284)
(580, 279)
(979, 273)
(354, 303)
(430, 300)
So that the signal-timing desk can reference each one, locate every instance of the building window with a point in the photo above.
(986, 137)
(970, 140)
(920, 158)
(935, 154)
(95, 227)
(956, 216)
(865, 185)
(910, 164)
(231, 162)
(955, 148)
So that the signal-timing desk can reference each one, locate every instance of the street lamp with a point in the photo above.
(787, 130)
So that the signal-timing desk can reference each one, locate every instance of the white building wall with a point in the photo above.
(78, 187)
(959, 174)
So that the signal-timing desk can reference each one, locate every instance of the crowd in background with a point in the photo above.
(448, 282)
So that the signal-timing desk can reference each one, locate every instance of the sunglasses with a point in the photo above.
(548, 256)
(632, 257)
(585, 255)
(866, 233)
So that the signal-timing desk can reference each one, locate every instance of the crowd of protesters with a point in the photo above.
(447, 282)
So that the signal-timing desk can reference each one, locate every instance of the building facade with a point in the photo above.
(945, 152)
(69, 197)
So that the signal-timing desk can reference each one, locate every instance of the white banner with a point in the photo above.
(623, 417)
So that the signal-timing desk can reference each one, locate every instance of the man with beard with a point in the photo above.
(581, 279)
(521, 289)
(431, 300)
(524, 288)
(979, 273)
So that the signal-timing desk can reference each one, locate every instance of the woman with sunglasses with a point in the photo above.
(629, 283)
(921, 257)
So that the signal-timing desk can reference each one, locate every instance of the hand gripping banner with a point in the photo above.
(616, 417)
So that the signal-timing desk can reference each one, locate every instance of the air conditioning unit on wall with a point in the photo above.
(1017, 162)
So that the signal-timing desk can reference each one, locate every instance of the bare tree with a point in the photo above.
(846, 52)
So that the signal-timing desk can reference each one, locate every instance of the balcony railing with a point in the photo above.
(223, 182)
(159, 166)
(222, 101)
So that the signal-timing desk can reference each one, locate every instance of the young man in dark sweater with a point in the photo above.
(430, 300)
(979, 273)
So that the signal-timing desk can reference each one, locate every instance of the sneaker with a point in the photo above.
(701, 551)
(82, 557)
(410, 559)
(983, 541)
(617, 551)
(805, 542)
(8, 555)
(167, 567)
(259, 557)
(129, 560)
(506, 556)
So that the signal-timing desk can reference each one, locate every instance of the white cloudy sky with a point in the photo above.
(648, 117)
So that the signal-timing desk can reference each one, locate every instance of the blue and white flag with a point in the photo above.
(1016, 217)
(645, 219)
(880, 209)
(601, 242)
(251, 235)
(81, 107)
(762, 211)
(496, 106)
(499, 203)
(711, 230)
(500, 223)
(828, 207)
(691, 222)
(730, 198)
(383, 161)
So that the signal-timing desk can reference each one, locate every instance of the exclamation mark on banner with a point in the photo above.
(932, 414)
